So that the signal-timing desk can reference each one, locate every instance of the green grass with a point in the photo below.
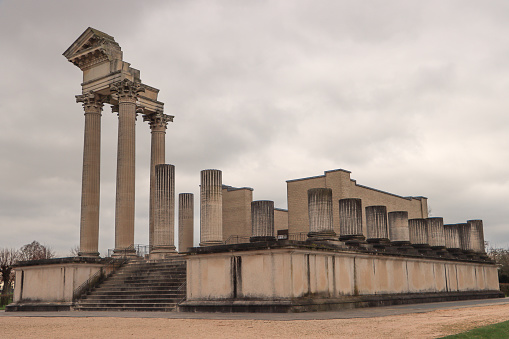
(495, 331)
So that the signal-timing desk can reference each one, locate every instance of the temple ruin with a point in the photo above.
(338, 244)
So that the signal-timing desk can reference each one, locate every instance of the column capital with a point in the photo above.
(92, 102)
(158, 121)
(127, 90)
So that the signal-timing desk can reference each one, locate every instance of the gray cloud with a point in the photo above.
(410, 97)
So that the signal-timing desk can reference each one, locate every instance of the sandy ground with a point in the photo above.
(417, 325)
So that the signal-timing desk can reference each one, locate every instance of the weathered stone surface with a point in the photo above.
(211, 218)
(90, 191)
(418, 232)
(350, 219)
(452, 237)
(186, 221)
(398, 227)
(262, 216)
(477, 235)
(158, 123)
(320, 213)
(164, 209)
(465, 233)
(376, 222)
(436, 234)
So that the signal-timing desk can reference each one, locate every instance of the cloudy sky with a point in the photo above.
(410, 96)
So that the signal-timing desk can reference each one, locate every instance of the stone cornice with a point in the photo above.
(92, 102)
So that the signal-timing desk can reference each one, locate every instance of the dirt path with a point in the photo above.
(417, 325)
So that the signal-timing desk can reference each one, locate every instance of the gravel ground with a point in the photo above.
(416, 325)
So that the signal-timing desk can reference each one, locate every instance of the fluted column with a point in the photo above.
(211, 208)
(124, 208)
(452, 237)
(350, 219)
(164, 209)
(436, 234)
(320, 213)
(465, 233)
(262, 220)
(186, 221)
(398, 227)
(376, 223)
(90, 189)
(418, 232)
(158, 123)
(477, 235)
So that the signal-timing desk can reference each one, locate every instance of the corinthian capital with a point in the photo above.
(127, 89)
(158, 120)
(91, 101)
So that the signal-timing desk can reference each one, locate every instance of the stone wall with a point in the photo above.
(344, 187)
(291, 273)
(237, 211)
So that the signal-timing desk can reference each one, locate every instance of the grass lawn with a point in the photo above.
(500, 330)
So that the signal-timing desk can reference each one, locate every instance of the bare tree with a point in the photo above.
(8, 257)
(35, 251)
(75, 251)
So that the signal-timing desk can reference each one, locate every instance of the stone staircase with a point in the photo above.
(140, 286)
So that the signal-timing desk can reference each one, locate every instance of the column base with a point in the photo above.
(124, 253)
(88, 254)
(211, 243)
(327, 235)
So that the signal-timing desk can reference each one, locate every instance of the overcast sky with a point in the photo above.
(410, 96)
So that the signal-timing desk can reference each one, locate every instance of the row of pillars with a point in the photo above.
(385, 228)
(127, 94)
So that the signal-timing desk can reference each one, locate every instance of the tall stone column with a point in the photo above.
(186, 221)
(262, 221)
(158, 123)
(211, 208)
(376, 224)
(320, 214)
(90, 189)
(127, 92)
(350, 219)
(398, 227)
(164, 210)
(436, 234)
(418, 232)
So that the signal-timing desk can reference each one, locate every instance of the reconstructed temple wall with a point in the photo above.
(279, 274)
(344, 187)
(237, 211)
(280, 220)
(51, 283)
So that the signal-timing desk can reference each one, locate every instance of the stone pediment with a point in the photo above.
(91, 48)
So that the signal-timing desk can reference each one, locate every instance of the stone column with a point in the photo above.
(436, 234)
(90, 189)
(186, 221)
(477, 235)
(376, 224)
(211, 208)
(320, 214)
(465, 233)
(158, 123)
(350, 219)
(418, 232)
(398, 227)
(452, 237)
(124, 208)
(164, 209)
(262, 221)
